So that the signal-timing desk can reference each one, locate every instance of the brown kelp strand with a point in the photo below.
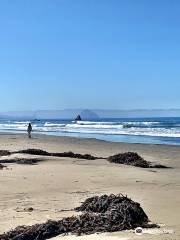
(64, 154)
(100, 214)
(127, 158)
(29, 161)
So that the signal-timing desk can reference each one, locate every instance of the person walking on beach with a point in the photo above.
(29, 130)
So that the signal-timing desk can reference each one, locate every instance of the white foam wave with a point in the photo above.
(124, 123)
(22, 122)
(105, 128)
(93, 123)
(94, 126)
(47, 124)
(135, 131)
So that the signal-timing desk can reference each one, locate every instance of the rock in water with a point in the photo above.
(78, 118)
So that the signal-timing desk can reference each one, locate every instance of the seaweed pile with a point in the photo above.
(64, 154)
(4, 153)
(31, 161)
(21, 161)
(133, 159)
(100, 214)
(127, 158)
(34, 151)
(2, 166)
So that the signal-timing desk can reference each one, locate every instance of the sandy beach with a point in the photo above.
(58, 184)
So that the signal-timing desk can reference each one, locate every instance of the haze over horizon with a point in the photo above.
(89, 114)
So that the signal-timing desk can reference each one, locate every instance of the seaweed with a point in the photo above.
(64, 154)
(133, 159)
(4, 153)
(99, 214)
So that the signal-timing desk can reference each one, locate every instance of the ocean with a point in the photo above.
(130, 130)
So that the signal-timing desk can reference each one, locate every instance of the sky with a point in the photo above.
(97, 54)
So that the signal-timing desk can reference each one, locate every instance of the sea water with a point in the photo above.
(131, 130)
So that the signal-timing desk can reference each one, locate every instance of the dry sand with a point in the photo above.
(58, 184)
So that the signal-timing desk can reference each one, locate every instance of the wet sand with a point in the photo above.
(58, 184)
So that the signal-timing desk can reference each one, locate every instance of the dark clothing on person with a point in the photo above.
(29, 130)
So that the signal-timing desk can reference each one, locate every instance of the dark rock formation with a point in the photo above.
(78, 118)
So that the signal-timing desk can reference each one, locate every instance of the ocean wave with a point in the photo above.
(152, 128)
(135, 131)
(47, 124)
(139, 124)
(125, 124)
(93, 126)
(21, 122)
(94, 123)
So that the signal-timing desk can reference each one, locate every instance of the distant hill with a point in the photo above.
(90, 114)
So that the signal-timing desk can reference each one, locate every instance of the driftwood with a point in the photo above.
(100, 214)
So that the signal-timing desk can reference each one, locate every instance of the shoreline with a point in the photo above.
(70, 181)
(43, 135)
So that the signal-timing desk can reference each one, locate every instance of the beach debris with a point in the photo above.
(159, 166)
(100, 214)
(34, 152)
(2, 166)
(133, 159)
(64, 154)
(29, 161)
(139, 231)
(75, 155)
(29, 209)
(4, 153)
(127, 158)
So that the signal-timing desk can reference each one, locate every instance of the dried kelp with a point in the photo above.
(4, 153)
(133, 159)
(64, 154)
(2, 166)
(100, 214)
(29, 161)
(127, 158)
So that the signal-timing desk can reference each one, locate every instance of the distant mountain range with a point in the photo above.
(90, 114)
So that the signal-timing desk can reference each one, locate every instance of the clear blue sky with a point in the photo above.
(110, 54)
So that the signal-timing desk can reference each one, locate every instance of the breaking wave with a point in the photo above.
(132, 127)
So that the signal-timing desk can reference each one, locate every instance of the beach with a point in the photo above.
(56, 185)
